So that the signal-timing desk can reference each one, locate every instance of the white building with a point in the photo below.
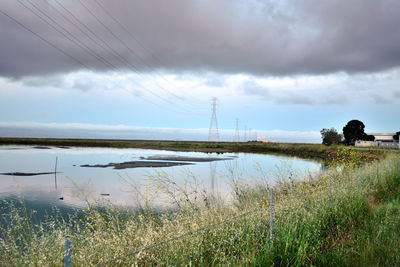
(381, 140)
(383, 137)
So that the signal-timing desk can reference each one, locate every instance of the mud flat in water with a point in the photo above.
(137, 164)
(185, 159)
(26, 173)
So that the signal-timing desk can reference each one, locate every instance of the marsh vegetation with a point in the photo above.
(334, 218)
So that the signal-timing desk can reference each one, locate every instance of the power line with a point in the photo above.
(121, 41)
(112, 65)
(73, 39)
(121, 57)
(75, 24)
(153, 55)
(80, 44)
(44, 40)
(137, 55)
(124, 43)
(47, 19)
(52, 44)
(134, 38)
(127, 31)
(115, 52)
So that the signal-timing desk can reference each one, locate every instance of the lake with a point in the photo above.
(73, 185)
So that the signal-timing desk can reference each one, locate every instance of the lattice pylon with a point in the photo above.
(213, 134)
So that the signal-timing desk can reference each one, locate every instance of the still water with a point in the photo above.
(73, 185)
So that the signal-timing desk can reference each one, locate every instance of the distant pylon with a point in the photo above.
(236, 138)
(213, 134)
(245, 134)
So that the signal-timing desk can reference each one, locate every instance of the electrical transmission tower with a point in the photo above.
(245, 134)
(236, 138)
(213, 134)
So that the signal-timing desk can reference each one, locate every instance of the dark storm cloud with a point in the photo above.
(226, 36)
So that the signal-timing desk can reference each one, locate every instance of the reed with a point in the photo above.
(357, 224)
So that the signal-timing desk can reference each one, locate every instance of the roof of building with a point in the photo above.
(385, 137)
(382, 134)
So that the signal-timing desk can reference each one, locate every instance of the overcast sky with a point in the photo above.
(285, 69)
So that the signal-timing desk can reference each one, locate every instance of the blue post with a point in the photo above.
(377, 170)
(67, 254)
(271, 215)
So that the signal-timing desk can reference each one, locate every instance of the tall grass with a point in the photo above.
(355, 225)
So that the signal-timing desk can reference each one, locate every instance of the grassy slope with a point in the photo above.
(356, 227)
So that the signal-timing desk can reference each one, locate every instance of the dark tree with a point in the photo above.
(368, 137)
(354, 130)
(330, 136)
(396, 136)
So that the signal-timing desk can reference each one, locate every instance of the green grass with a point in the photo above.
(256, 147)
(357, 225)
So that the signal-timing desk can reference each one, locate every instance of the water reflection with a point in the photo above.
(73, 186)
(55, 174)
(213, 170)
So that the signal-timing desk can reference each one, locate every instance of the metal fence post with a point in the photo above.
(271, 215)
(55, 173)
(67, 253)
(330, 186)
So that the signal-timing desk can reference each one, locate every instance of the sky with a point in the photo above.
(149, 69)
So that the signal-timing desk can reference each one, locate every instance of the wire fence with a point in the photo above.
(68, 244)
(178, 237)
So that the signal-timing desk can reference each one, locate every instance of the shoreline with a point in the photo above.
(301, 150)
(293, 149)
